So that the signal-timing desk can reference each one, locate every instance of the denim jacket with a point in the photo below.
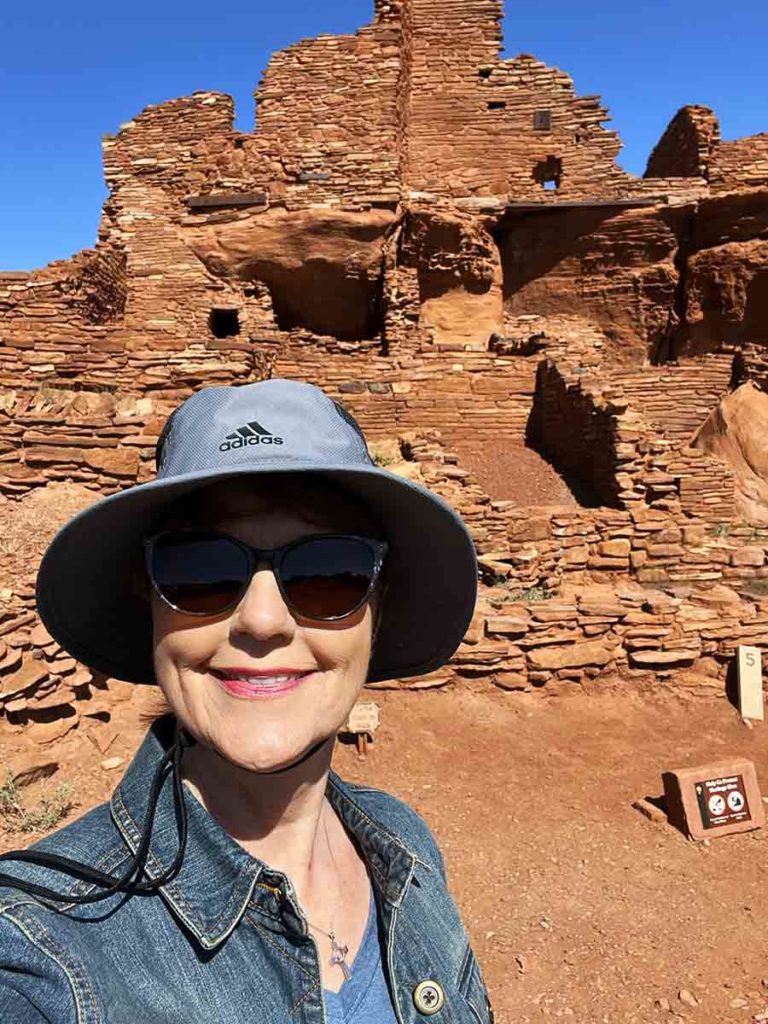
(225, 940)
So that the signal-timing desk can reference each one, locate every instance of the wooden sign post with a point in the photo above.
(363, 721)
(750, 669)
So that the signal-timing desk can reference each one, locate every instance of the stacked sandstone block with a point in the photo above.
(605, 634)
(41, 686)
(530, 547)
(76, 437)
(481, 126)
(627, 434)
(685, 149)
(740, 164)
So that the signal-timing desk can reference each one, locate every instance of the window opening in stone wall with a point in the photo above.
(485, 72)
(548, 173)
(542, 121)
(497, 105)
(224, 322)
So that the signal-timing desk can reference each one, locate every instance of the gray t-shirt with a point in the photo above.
(364, 998)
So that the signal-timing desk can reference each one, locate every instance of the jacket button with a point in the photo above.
(428, 997)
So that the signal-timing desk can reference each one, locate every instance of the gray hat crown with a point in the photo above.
(255, 424)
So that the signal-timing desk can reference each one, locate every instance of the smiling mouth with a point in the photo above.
(259, 684)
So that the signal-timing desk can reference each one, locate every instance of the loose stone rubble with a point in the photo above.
(443, 240)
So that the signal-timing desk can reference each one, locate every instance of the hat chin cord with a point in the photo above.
(130, 882)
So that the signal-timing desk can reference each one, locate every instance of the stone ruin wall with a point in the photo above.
(740, 164)
(625, 268)
(443, 240)
(607, 622)
(685, 149)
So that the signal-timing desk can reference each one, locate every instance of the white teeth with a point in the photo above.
(261, 680)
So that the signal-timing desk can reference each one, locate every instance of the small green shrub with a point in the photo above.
(757, 587)
(383, 456)
(721, 530)
(527, 594)
(496, 581)
(533, 594)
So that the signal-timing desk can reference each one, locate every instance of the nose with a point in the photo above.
(262, 612)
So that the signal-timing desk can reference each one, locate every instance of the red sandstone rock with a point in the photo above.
(507, 625)
(117, 462)
(44, 733)
(572, 656)
(661, 659)
(737, 432)
(615, 548)
(28, 675)
(40, 636)
(749, 556)
(511, 681)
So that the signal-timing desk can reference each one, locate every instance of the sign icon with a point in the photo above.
(736, 801)
(716, 805)
(722, 800)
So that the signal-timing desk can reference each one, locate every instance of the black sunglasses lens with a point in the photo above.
(328, 577)
(199, 574)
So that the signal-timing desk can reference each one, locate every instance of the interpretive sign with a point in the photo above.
(714, 799)
(363, 721)
(363, 717)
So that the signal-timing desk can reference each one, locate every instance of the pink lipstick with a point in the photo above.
(251, 683)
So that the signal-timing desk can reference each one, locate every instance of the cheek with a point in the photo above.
(181, 643)
(344, 649)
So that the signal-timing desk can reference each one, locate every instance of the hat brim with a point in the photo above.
(88, 599)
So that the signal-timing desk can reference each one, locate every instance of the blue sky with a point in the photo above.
(70, 73)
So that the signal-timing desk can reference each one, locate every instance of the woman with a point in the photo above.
(259, 580)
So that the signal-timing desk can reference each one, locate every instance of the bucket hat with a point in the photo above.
(86, 593)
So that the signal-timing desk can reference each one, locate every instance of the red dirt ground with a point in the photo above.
(512, 472)
(579, 908)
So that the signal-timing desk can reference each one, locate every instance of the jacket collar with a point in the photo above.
(218, 879)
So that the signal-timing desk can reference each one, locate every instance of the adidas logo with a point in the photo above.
(250, 433)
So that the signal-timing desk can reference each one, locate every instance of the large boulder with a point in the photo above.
(737, 432)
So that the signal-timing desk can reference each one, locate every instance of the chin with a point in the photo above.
(262, 756)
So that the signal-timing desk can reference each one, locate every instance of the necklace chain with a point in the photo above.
(338, 950)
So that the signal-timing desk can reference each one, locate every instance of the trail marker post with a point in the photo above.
(750, 672)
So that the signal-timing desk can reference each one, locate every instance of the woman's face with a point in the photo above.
(257, 684)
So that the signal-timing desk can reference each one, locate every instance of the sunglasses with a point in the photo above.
(322, 577)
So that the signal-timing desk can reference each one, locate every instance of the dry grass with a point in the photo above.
(28, 524)
(39, 819)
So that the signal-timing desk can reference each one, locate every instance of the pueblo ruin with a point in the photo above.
(443, 240)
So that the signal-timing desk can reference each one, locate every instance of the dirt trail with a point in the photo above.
(579, 908)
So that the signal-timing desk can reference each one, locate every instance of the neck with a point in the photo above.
(277, 817)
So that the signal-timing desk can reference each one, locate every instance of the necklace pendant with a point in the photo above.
(339, 958)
